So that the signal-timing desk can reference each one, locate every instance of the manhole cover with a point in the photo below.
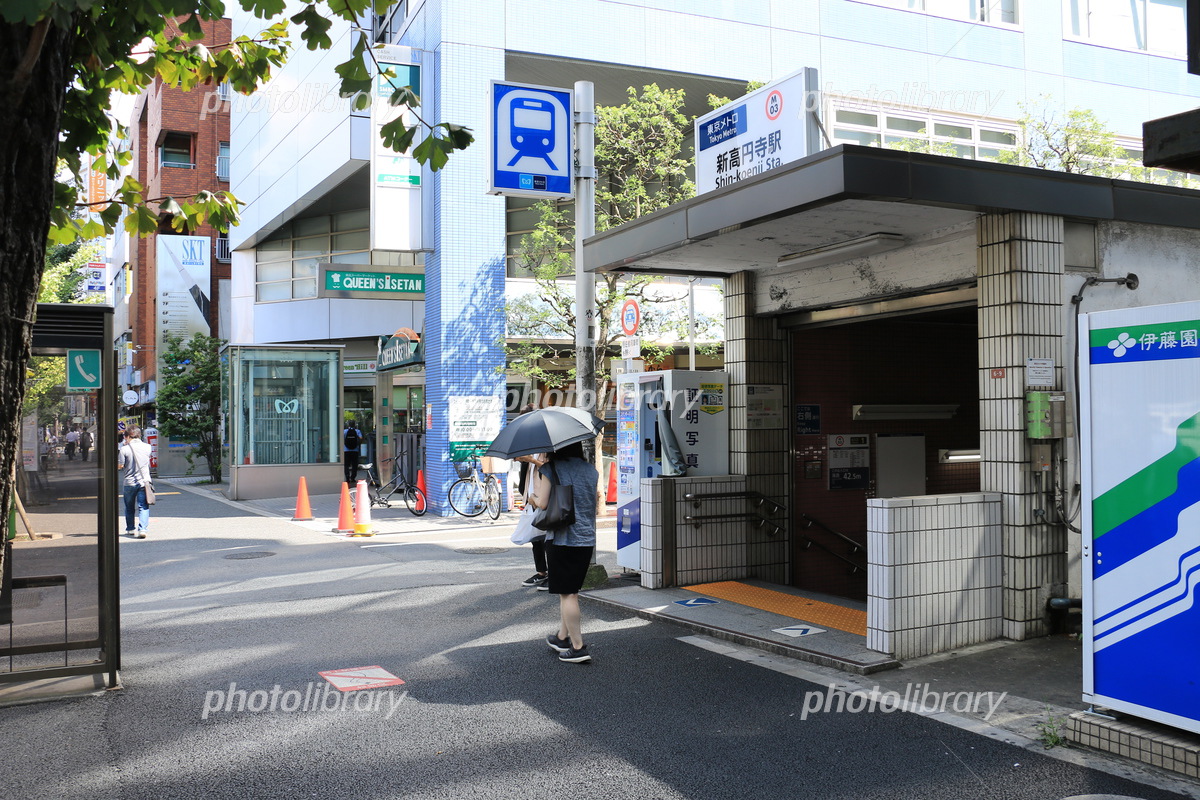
(251, 554)
(480, 551)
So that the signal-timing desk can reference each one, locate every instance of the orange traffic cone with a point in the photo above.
(421, 485)
(303, 509)
(362, 511)
(612, 482)
(345, 521)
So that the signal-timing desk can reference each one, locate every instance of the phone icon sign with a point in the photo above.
(83, 370)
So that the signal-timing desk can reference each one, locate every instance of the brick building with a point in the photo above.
(180, 143)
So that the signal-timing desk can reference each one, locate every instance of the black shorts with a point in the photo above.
(567, 567)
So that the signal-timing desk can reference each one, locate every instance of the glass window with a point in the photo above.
(309, 226)
(855, 137)
(270, 292)
(856, 118)
(176, 150)
(310, 247)
(359, 240)
(305, 287)
(351, 258)
(278, 271)
(284, 405)
(997, 137)
(953, 131)
(990, 153)
(904, 124)
(305, 268)
(352, 220)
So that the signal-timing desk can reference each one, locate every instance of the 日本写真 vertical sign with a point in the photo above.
(751, 135)
(531, 141)
(1140, 470)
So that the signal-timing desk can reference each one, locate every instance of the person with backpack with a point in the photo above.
(351, 442)
(85, 443)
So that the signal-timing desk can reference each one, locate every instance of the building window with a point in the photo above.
(176, 151)
(223, 161)
(288, 262)
(921, 130)
(224, 254)
(996, 12)
(1154, 26)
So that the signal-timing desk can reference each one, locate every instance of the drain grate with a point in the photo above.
(480, 551)
(250, 554)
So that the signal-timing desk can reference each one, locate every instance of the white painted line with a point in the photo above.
(444, 541)
(799, 630)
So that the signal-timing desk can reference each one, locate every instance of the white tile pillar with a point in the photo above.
(1020, 258)
(756, 353)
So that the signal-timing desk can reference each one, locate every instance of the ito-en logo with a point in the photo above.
(1122, 344)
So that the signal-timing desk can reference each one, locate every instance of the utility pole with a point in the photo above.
(585, 226)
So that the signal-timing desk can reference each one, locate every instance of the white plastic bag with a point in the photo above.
(525, 533)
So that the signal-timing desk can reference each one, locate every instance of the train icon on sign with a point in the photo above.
(532, 129)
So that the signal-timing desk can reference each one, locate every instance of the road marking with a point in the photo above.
(355, 678)
(442, 541)
(695, 602)
(799, 630)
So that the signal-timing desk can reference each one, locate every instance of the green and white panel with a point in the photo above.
(1140, 443)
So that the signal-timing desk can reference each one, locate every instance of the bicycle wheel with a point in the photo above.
(416, 501)
(491, 495)
(466, 498)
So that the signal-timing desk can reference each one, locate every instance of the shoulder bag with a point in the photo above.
(138, 469)
(559, 511)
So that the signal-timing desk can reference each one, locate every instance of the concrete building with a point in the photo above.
(953, 74)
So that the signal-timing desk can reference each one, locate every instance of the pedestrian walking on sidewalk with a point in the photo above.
(85, 443)
(569, 550)
(72, 441)
(133, 460)
(351, 442)
(538, 578)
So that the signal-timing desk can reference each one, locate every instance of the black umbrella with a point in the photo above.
(544, 431)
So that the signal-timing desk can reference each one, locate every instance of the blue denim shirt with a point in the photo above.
(584, 478)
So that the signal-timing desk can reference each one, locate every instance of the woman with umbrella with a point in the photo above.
(558, 433)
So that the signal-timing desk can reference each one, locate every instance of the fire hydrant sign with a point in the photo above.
(1140, 443)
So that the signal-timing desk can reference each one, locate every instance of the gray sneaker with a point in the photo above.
(580, 656)
(558, 645)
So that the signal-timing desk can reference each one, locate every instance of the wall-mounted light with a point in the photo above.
(876, 411)
(841, 251)
(956, 456)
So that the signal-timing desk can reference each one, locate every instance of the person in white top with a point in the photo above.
(72, 441)
(133, 460)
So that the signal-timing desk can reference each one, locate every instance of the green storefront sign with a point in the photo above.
(352, 281)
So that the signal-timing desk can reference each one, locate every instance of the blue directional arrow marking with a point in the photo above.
(692, 602)
(799, 630)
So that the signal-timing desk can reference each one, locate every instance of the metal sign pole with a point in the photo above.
(585, 226)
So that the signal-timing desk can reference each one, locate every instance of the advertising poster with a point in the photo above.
(184, 269)
(395, 179)
(1140, 442)
(474, 423)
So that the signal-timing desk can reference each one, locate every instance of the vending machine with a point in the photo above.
(669, 423)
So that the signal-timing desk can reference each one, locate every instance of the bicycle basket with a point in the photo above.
(464, 468)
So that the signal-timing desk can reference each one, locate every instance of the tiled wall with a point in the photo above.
(1020, 317)
(934, 573)
(756, 352)
(707, 549)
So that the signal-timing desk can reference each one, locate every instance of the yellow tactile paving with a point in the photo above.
(850, 620)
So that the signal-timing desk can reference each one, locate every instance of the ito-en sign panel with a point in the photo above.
(1140, 443)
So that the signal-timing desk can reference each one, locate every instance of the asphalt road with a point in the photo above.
(485, 710)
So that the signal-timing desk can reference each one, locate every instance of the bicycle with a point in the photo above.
(381, 494)
(471, 495)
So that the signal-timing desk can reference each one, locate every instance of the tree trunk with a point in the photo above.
(33, 82)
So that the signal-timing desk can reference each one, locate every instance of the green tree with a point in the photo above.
(189, 397)
(639, 170)
(63, 276)
(1070, 140)
(60, 63)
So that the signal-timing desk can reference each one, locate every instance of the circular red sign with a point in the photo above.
(774, 104)
(631, 317)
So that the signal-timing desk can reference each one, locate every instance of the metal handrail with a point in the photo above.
(854, 545)
(758, 498)
(855, 566)
(755, 518)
